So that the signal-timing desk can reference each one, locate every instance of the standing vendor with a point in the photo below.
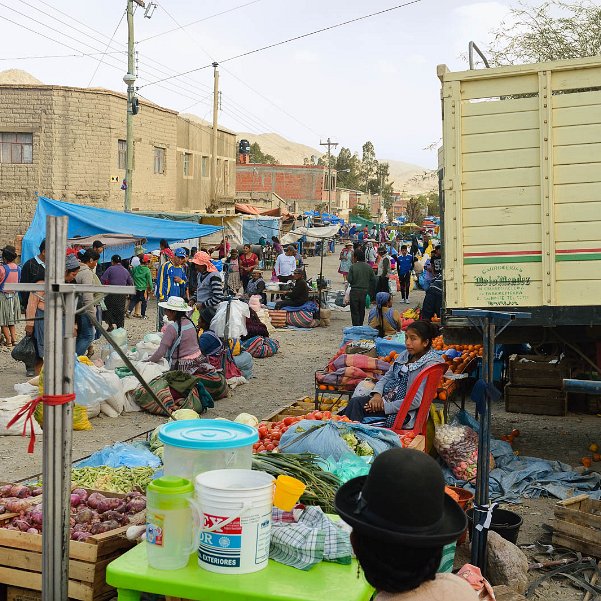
(209, 290)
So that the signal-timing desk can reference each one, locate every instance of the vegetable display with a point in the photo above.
(90, 513)
(113, 479)
(271, 432)
(321, 485)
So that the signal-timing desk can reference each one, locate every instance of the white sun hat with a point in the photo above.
(175, 303)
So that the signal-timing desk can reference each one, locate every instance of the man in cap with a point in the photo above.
(299, 295)
(171, 279)
(33, 271)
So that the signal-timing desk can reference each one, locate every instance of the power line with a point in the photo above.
(45, 56)
(294, 39)
(107, 47)
(229, 10)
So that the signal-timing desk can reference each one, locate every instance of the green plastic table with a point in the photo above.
(131, 575)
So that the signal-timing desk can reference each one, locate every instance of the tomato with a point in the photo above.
(284, 429)
(318, 415)
(260, 448)
(262, 431)
(288, 421)
(309, 416)
(327, 415)
(277, 436)
(269, 447)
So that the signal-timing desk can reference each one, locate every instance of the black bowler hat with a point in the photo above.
(402, 500)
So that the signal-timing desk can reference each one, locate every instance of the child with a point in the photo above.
(143, 284)
(232, 271)
(9, 301)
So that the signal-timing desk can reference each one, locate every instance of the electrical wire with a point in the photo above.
(289, 40)
(107, 47)
(229, 10)
(80, 55)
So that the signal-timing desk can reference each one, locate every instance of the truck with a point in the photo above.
(520, 190)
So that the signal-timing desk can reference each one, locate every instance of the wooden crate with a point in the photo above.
(537, 401)
(577, 525)
(21, 562)
(537, 372)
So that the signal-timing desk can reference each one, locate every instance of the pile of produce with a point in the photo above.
(321, 485)
(460, 358)
(271, 432)
(90, 513)
(113, 479)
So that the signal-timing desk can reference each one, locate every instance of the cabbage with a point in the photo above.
(154, 441)
(184, 414)
(248, 419)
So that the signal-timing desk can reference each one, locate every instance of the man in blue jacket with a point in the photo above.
(404, 265)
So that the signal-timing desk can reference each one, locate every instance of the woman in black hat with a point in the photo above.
(401, 520)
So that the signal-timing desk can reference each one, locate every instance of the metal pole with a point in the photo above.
(130, 78)
(214, 138)
(480, 537)
(58, 379)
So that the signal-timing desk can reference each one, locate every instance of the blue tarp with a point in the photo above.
(88, 221)
(253, 229)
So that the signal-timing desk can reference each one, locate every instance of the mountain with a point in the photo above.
(405, 176)
(18, 77)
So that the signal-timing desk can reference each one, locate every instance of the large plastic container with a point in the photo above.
(194, 446)
(236, 511)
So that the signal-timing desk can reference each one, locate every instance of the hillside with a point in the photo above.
(17, 77)
(405, 176)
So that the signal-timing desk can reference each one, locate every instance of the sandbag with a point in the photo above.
(244, 362)
(117, 400)
(8, 407)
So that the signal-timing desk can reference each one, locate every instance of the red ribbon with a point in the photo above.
(28, 410)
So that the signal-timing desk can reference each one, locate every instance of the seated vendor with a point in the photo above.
(299, 295)
(383, 317)
(255, 327)
(388, 394)
(256, 285)
(180, 342)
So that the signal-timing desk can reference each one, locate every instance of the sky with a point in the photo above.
(370, 80)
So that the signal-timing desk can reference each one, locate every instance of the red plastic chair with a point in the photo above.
(433, 376)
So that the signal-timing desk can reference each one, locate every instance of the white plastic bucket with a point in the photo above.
(236, 511)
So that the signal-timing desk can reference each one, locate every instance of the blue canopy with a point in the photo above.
(88, 221)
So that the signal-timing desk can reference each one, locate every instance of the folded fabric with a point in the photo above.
(309, 306)
(304, 543)
(361, 361)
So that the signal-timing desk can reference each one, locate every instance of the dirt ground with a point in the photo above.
(288, 376)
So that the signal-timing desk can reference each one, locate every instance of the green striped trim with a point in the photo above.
(578, 257)
(507, 259)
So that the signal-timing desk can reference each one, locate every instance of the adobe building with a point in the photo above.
(301, 187)
(69, 144)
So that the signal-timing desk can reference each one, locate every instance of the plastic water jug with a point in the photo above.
(172, 523)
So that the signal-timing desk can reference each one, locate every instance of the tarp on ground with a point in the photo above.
(255, 227)
(86, 221)
(312, 233)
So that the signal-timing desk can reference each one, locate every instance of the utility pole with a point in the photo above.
(329, 144)
(132, 106)
(214, 139)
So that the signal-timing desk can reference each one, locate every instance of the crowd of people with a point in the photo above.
(371, 264)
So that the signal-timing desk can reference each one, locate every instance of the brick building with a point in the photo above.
(69, 144)
(302, 187)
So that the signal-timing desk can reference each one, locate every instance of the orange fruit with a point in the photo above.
(586, 461)
(322, 387)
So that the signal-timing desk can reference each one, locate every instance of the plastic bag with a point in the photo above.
(349, 466)
(25, 351)
(335, 439)
(238, 313)
(119, 336)
(80, 417)
(90, 388)
(458, 448)
(121, 454)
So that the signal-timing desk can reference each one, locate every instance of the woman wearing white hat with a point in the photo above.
(180, 339)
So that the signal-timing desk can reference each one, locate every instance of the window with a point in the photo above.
(122, 154)
(16, 148)
(204, 167)
(226, 176)
(187, 164)
(159, 160)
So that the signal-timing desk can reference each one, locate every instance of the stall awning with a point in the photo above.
(87, 221)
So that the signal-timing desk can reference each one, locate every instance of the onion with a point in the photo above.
(82, 493)
(84, 515)
(95, 499)
(17, 505)
(75, 500)
(33, 531)
(5, 490)
(20, 491)
(136, 505)
(35, 515)
(101, 527)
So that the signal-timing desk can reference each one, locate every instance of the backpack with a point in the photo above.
(7, 271)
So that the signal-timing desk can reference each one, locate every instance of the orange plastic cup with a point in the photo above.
(288, 491)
